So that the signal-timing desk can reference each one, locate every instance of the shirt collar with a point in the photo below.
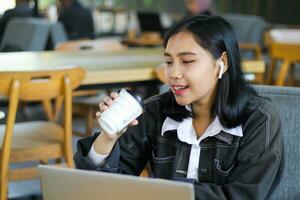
(186, 132)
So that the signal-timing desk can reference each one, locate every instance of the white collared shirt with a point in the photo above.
(186, 133)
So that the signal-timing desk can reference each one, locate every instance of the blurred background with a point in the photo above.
(111, 16)
(275, 11)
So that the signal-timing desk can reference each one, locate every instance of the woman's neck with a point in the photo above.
(202, 109)
(202, 117)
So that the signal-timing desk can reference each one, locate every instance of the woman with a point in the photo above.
(210, 129)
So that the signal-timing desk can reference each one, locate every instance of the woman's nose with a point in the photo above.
(175, 72)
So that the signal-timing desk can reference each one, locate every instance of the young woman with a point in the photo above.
(210, 129)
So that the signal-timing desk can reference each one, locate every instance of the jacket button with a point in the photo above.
(203, 171)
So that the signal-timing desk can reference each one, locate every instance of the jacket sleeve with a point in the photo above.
(82, 160)
(128, 156)
(258, 168)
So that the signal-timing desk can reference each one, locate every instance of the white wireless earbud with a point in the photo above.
(221, 65)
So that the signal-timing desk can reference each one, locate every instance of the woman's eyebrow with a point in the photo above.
(167, 54)
(181, 54)
(186, 53)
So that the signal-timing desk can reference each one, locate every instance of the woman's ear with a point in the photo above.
(224, 59)
(223, 64)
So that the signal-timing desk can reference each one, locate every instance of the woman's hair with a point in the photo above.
(216, 35)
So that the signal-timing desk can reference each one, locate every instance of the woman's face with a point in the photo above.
(191, 71)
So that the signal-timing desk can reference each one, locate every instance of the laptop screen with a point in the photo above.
(149, 22)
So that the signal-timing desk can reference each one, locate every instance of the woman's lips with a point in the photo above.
(179, 89)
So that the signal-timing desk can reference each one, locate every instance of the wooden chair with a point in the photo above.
(252, 47)
(254, 67)
(288, 53)
(254, 71)
(36, 140)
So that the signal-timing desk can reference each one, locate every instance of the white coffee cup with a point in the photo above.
(126, 108)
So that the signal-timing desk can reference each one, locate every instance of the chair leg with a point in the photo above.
(58, 106)
(89, 121)
(259, 78)
(271, 72)
(292, 75)
(3, 188)
(283, 72)
(68, 149)
(4, 170)
(89, 117)
(48, 109)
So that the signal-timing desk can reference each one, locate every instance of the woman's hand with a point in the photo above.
(105, 142)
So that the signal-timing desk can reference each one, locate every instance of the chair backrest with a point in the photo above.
(248, 28)
(25, 34)
(57, 34)
(40, 85)
(286, 101)
(285, 51)
(249, 32)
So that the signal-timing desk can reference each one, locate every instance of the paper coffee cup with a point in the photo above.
(126, 108)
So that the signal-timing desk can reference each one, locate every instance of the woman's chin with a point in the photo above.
(182, 102)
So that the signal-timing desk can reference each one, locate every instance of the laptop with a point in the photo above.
(150, 22)
(72, 184)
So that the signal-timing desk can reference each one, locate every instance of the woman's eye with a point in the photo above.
(188, 61)
(168, 62)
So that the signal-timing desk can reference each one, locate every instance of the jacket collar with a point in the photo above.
(186, 132)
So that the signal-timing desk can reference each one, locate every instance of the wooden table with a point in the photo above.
(126, 66)
(131, 65)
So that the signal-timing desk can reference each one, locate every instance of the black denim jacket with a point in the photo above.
(230, 167)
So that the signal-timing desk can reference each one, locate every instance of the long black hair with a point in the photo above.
(216, 35)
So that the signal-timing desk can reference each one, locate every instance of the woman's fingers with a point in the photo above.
(102, 107)
(107, 101)
(98, 114)
(114, 95)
